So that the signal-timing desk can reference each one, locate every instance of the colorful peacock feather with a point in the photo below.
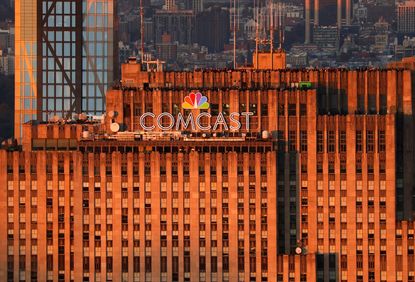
(195, 101)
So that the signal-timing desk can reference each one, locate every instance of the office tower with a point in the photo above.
(406, 16)
(167, 50)
(317, 12)
(64, 58)
(180, 24)
(197, 6)
(326, 37)
(170, 5)
(26, 92)
(315, 188)
(212, 29)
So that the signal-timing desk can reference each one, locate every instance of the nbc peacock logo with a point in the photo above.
(195, 101)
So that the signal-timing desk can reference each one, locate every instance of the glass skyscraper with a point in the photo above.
(64, 61)
(26, 92)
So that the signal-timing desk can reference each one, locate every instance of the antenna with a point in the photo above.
(282, 25)
(142, 29)
(256, 17)
(233, 4)
(271, 30)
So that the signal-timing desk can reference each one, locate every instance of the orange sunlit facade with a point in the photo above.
(319, 188)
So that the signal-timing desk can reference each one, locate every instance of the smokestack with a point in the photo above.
(142, 29)
(316, 12)
(281, 23)
(307, 22)
(348, 11)
(233, 7)
(339, 14)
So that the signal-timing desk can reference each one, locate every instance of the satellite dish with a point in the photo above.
(115, 127)
(83, 117)
(298, 250)
(85, 134)
(55, 118)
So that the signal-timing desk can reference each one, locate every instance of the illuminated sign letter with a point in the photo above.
(233, 119)
(199, 125)
(220, 120)
(160, 124)
(185, 124)
(142, 121)
(247, 115)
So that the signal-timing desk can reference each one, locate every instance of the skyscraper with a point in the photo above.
(170, 5)
(26, 92)
(212, 29)
(314, 189)
(64, 58)
(180, 24)
(197, 6)
(406, 17)
(317, 11)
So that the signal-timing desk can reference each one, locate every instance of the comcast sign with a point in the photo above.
(201, 121)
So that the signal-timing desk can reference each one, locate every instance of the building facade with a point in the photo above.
(212, 29)
(64, 58)
(321, 12)
(406, 17)
(179, 24)
(326, 37)
(198, 6)
(313, 186)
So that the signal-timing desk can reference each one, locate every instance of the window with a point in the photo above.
(369, 141)
(264, 110)
(331, 142)
(358, 141)
(253, 108)
(214, 109)
(381, 139)
(202, 264)
(382, 166)
(281, 110)
(331, 167)
(319, 167)
(320, 142)
(163, 264)
(214, 264)
(148, 264)
(225, 109)
(292, 110)
(303, 140)
(292, 140)
(186, 264)
(303, 109)
(342, 141)
(225, 263)
(343, 166)
(109, 264)
(358, 166)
